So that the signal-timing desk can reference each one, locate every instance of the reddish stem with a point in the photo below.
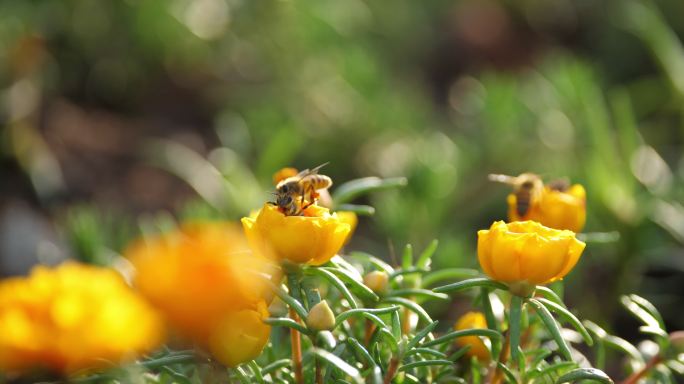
(296, 342)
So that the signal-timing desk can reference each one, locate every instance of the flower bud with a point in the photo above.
(321, 317)
(377, 281)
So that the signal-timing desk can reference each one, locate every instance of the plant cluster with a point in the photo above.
(282, 302)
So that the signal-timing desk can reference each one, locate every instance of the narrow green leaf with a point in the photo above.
(378, 322)
(168, 360)
(424, 363)
(584, 374)
(471, 283)
(338, 363)
(256, 370)
(360, 311)
(425, 351)
(276, 365)
(176, 376)
(421, 334)
(376, 262)
(650, 308)
(552, 327)
(459, 353)
(549, 294)
(407, 257)
(514, 325)
(327, 338)
(599, 332)
(462, 333)
(569, 317)
(507, 372)
(354, 188)
(407, 271)
(336, 282)
(286, 322)
(491, 320)
(642, 314)
(338, 351)
(362, 210)
(408, 292)
(384, 333)
(355, 285)
(341, 263)
(361, 350)
(376, 375)
(396, 325)
(557, 367)
(624, 346)
(241, 375)
(426, 256)
(289, 300)
(415, 308)
(448, 274)
(656, 331)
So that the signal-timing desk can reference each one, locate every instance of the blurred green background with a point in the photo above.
(119, 116)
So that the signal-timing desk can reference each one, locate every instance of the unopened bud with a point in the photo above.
(321, 317)
(377, 281)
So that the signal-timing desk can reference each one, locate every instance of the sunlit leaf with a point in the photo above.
(584, 374)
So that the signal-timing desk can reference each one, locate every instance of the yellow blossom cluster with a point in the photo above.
(72, 318)
(206, 282)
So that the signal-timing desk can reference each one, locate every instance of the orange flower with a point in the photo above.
(472, 320)
(526, 251)
(203, 278)
(313, 238)
(555, 209)
(73, 318)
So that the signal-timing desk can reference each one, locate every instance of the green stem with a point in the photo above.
(514, 319)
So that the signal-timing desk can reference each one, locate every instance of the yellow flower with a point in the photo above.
(472, 320)
(73, 318)
(313, 238)
(349, 218)
(527, 252)
(555, 209)
(203, 278)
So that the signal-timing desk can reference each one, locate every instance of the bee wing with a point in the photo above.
(502, 178)
(313, 171)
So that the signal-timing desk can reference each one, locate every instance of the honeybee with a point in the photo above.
(296, 193)
(527, 188)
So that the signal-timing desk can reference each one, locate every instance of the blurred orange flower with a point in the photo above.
(203, 278)
(313, 238)
(526, 251)
(559, 209)
(73, 318)
(477, 347)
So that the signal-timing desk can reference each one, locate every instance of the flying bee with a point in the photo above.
(527, 188)
(296, 193)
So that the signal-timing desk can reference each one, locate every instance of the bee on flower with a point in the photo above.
(73, 319)
(296, 193)
(557, 204)
(296, 228)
